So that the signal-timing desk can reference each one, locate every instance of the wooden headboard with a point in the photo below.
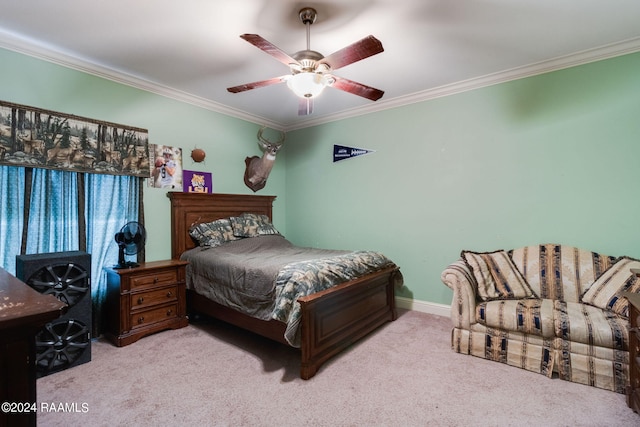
(188, 209)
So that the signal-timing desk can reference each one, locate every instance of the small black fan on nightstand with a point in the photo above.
(130, 240)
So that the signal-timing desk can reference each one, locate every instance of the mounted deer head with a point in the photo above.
(259, 168)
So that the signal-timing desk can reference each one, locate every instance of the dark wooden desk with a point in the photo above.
(23, 312)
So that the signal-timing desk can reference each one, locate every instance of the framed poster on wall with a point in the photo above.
(166, 166)
(197, 182)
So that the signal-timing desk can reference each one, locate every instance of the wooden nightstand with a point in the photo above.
(144, 300)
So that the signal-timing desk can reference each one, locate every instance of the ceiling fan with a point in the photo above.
(311, 72)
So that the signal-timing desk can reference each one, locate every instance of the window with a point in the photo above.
(67, 211)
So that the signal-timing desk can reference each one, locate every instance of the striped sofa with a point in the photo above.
(551, 309)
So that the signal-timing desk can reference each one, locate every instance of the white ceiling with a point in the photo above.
(191, 49)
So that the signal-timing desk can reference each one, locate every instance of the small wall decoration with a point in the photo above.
(198, 155)
(341, 152)
(166, 166)
(33, 137)
(197, 182)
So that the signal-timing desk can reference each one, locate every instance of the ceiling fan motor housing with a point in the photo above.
(307, 59)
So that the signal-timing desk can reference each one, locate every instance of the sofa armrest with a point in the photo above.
(460, 279)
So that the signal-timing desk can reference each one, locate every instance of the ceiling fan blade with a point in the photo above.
(357, 88)
(305, 106)
(362, 49)
(256, 85)
(270, 48)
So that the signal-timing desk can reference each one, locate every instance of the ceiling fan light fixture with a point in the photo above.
(308, 84)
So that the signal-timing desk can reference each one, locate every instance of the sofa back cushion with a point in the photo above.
(560, 272)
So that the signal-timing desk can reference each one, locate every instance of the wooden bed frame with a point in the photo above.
(332, 320)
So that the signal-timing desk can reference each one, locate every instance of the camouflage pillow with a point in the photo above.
(251, 225)
(213, 233)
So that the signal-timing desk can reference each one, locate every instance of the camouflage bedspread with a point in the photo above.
(264, 276)
(307, 277)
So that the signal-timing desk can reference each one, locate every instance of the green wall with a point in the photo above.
(551, 158)
(226, 140)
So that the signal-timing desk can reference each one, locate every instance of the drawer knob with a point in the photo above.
(169, 294)
(155, 280)
(140, 319)
(140, 300)
(169, 312)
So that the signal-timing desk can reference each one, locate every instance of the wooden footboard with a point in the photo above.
(334, 319)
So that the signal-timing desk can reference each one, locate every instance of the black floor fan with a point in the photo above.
(130, 239)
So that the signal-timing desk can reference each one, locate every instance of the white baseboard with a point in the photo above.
(423, 306)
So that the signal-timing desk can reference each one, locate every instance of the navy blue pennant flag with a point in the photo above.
(340, 152)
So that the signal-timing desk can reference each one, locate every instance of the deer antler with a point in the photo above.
(266, 141)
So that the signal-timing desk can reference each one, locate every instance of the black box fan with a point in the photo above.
(130, 240)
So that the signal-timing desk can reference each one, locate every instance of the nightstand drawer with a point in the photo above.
(158, 296)
(161, 277)
(152, 316)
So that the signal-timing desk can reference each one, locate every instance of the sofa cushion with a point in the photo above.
(609, 373)
(606, 292)
(529, 352)
(591, 325)
(496, 275)
(560, 272)
(528, 316)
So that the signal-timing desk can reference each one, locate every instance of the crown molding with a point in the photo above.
(37, 50)
(555, 64)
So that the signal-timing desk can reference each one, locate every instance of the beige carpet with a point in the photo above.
(405, 374)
